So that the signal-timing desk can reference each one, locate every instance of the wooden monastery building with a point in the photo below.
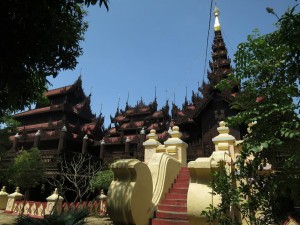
(65, 122)
(60, 123)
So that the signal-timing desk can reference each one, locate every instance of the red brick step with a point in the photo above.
(171, 215)
(158, 221)
(172, 210)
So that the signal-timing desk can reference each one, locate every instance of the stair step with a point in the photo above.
(176, 196)
(183, 178)
(181, 185)
(184, 173)
(179, 190)
(171, 215)
(182, 181)
(180, 202)
(158, 221)
(172, 208)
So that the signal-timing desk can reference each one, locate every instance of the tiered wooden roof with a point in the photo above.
(220, 68)
(66, 106)
(128, 123)
(198, 118)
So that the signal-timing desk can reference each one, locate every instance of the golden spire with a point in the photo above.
(217, 25)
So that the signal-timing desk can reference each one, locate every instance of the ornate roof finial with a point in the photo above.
(217, 25)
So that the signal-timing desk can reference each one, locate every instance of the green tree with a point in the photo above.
(39, 39)
(7, 125)
(268, 66)
(102, 179)
(27, 170)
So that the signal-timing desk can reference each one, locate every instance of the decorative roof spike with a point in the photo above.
(217, 25)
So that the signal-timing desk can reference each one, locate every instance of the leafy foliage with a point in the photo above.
(7, 124)
(222, 184)
(102, 179)
(39, 39)
(268, 66)
(27, 170)
(69, 218)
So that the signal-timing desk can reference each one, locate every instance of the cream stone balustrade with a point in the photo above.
(102, 206)
(129, 195)
(138, 187)
(3, 198)
(200, 194)
(54, 203)
(17, 206)
(164, 170)
(165, 164)
(12, 198)
(150, 145)
(176, 147)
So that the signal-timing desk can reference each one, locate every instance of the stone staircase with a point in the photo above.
(173, 209)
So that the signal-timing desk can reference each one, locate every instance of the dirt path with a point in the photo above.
(7, 219)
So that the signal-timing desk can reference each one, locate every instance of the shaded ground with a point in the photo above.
(7, 219)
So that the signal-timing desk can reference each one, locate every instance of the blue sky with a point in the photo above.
(141, 44)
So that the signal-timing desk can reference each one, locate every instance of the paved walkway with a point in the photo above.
(7, 219)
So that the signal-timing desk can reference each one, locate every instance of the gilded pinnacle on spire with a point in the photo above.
(217, 25)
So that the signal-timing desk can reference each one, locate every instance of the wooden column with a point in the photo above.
(127, 145)
(85, 144)
(102, 149)
(37, 138)
(62, 139)
(15, 142)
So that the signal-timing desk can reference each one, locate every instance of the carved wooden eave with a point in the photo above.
(77, 86)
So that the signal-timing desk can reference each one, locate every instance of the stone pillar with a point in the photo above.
(54, 203)
(12, 198)
(150, 145)
(127, 145)
(102, 149)
(143, 134)
(85, 144)
(62, 139)
(3, 198)
(176, 147)
(15, 142)
(130, 193)
(102, 198)
(200, 171)
(224, 141)
(37, 138)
